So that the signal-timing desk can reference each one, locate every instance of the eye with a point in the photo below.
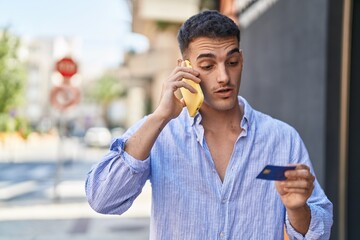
(206, 67)
(233, 63)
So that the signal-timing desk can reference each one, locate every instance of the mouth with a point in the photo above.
(224, 92)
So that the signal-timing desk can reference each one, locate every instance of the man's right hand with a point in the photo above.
(170, 106)
(140, 143)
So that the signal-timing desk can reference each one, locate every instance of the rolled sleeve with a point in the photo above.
(319, 225)
(136, 166)
(114, 183)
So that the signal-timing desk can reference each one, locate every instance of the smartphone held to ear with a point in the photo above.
(193, 101)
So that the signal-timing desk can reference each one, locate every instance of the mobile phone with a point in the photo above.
(193, 101)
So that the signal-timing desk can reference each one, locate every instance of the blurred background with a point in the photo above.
(76, 74)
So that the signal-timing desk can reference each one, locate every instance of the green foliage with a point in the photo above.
(12, 82)
(12, 76)
(107, 89)
(162, 25)
(10, 123)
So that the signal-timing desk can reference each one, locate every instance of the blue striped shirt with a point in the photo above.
(189, 201)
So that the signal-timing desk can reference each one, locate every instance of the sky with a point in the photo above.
(104, 27)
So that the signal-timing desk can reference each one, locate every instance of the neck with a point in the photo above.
(213, 120)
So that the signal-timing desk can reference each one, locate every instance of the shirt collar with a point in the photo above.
(247, 114)
(245, 121)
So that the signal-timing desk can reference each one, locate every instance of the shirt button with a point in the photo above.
(223, 201)
(222, 235)
(214, 171)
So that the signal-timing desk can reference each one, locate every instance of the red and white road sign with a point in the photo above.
(64, 96)
(66, 67)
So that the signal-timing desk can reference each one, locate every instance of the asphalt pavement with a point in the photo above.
(42, 195)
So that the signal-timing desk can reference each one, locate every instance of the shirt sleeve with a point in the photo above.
(320, 206)
(321, 219)
(113, 184)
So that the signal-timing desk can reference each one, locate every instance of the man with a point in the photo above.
(203, 169)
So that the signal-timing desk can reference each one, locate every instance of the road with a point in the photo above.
(42, 195)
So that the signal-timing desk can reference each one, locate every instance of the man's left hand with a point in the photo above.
(297, 188)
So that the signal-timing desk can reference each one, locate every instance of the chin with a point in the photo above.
(223, 104)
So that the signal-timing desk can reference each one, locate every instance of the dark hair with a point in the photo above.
(210, 24)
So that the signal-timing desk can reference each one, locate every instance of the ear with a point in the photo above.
(241, 57)
(184, 55)
(181, 58)
(179, 61)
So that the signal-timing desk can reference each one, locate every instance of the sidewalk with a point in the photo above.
(77, 229)
(74, 220)
(31, 208)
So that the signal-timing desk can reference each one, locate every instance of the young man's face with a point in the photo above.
(219, 62)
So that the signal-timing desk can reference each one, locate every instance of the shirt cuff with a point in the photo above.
(136, 166)
(316, 228)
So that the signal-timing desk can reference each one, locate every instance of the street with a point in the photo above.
(42, 195)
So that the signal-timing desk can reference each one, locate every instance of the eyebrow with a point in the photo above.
(211, 55)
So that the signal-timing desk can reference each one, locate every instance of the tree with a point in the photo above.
(12, 81)
(105, 90)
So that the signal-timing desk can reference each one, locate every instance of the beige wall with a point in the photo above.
(159, 21)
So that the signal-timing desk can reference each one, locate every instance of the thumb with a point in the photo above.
(183, 102)
(279, 187)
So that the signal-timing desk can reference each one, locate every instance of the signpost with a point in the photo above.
(63, 97)
(66, 67)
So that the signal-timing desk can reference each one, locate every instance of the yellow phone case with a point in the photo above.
(193, 101)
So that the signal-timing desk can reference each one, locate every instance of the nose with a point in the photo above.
(223, 76)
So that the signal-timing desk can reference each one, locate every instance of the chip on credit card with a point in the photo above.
(272, 172)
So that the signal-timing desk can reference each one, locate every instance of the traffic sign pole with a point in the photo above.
(62, 97)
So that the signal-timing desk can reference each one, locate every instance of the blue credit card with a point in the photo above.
(272, 172)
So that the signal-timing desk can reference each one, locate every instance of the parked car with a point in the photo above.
(98, 137)
(117, 132)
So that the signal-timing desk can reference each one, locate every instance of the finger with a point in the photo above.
(302, 166)
(185, 69)
(191, 77)
(299, 173)
(297, 190)
(179, 75)
(188, 87)
(298, 184)
(182, 67)
(183, 102)
(179, 84)
(280, 187)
